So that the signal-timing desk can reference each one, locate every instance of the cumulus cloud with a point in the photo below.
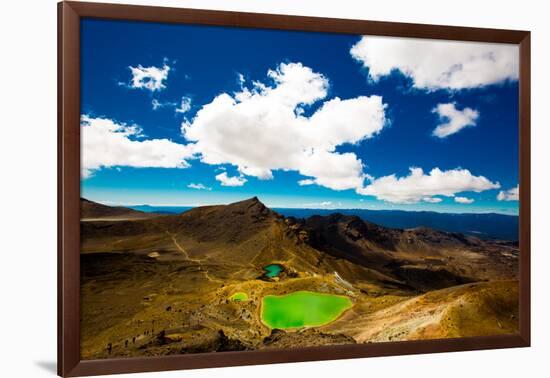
(418, 186)
(509, 195)
(262, 128)
(185, 105)
(454, 119)
(198, 186)
(226, 180)
(106, 143)
(438, 64)
(464, 200)
(149, 78)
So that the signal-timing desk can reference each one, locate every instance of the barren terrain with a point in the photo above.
(163, 284)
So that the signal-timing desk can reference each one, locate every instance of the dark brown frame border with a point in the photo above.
(69, 15)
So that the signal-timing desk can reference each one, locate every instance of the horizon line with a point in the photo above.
(111, 203)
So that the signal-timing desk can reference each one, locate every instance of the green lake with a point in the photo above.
(302, 309)
(239, 297)
(273, 270)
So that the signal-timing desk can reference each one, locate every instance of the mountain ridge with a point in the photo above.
(496, 226)
(255, 232)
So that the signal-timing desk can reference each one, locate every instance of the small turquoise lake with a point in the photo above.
(273, 270)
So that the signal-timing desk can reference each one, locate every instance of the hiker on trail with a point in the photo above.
(110, 348)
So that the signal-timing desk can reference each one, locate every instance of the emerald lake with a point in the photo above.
(239, 297)
(302, 309)
(273, 270)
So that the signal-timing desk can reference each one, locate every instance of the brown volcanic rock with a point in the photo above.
(351, 238)
(220, 224)
(305, 338)
(421, 258)
(223, 223)
(476, 309)
(247, 232)
(354, 233)
(244, 233)
(133, 270)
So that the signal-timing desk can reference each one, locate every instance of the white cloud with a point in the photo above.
(106, 143)
(454, 119)
(432, 199)
(226, 180)
(464, 200)
(150, 78)
(157, 104)
(240, 78)
(320, 205)
(509, 195)
(270, 118)
(306, 182)
(185, 105)
(438, 64)
(198, 186)
(418, 186)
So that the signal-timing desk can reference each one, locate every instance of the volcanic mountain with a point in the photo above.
(179, 270)
(420, 257)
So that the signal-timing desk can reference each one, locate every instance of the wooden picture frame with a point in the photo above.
(69, 16)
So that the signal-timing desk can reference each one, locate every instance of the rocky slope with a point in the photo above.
(162, 285)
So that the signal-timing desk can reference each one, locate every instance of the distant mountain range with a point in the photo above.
(485, 225)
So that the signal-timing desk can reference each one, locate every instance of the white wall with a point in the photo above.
(28, 186)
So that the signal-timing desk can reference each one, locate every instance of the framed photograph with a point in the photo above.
(239, 188)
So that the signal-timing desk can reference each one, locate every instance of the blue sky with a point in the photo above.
(192, 115)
